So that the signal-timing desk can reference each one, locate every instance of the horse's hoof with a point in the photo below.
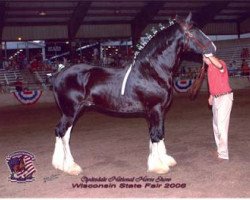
(157, 165)
(57, 166)
(169, 161)
(159, 170)
(173, 163)
(74, 170)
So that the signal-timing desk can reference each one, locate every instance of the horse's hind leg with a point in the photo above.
(158, 160)
(62, 157)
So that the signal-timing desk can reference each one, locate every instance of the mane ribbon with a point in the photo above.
(126, 78)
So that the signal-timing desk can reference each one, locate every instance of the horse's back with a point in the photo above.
(80, 73)
(100, 87)
(87, 80)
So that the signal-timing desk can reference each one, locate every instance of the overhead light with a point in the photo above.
(117, 12)
(19, 38)
(42, 13)
(36, 41)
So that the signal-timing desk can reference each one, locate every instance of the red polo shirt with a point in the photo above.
(218, 81)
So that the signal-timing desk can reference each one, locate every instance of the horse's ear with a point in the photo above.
(176, 18)
(188, 19)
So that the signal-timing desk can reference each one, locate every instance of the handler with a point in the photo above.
(221, 100)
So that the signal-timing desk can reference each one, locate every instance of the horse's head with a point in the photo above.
(193, 38)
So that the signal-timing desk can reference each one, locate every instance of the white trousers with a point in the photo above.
(222, 107)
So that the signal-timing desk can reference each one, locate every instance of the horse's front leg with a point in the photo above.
(158, 160)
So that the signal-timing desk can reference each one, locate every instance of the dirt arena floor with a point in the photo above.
(111, 149)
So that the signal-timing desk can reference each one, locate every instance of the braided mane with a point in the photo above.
(149, 36)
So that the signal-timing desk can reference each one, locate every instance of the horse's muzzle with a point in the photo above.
(210, 49)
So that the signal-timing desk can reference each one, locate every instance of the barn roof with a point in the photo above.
(59, 19)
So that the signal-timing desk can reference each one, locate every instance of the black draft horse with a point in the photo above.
(149, 91)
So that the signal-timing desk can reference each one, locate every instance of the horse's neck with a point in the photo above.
(168, 58)
(164, 61)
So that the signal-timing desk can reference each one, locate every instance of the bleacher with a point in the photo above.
(227, 50)
(42, 75)
(231, 50)
(8, 77)
(32, 81)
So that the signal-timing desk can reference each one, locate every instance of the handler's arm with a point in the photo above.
(216, 62)
(210, 100)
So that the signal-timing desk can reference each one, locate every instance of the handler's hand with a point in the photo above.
(210, 100)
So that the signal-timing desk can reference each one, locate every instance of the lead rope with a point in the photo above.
(202, 69)
(196, 85)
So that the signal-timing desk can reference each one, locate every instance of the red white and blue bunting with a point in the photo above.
(28, 97)
(182, 85)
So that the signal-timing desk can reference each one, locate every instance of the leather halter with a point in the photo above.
(189, 36)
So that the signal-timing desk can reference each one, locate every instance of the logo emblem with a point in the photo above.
(21, 166)
(183, 85)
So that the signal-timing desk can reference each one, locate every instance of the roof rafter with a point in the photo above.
(44, 8)
(105, 22)
(207, 13)
(243, 17)
(77, 18)
(10, 16)
(138, 14)
(116, 8)
(9, 24)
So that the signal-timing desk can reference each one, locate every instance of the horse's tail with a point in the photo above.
(194, 90)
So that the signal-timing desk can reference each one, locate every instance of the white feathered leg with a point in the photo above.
(69, 165)
(58, 155)
(62, 157)
(164, 157)
(158, 160)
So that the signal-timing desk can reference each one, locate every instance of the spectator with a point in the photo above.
(5, 87)
(1, 89)
(245, 53)
(245, 68)
(18, 84)
(25, 62)
(20, 61)
(34, 65)
(5, 64)
(47, 65)
(232, 68)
